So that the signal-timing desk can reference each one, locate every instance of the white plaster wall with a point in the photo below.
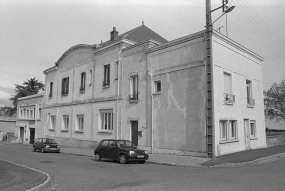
(242, 65)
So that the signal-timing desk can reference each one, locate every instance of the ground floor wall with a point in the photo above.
(27, 131)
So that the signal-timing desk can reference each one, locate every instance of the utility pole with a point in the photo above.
(210, 122)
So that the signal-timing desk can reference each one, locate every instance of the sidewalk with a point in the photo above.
(240, 158)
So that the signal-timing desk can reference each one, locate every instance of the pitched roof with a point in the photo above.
(137, 35)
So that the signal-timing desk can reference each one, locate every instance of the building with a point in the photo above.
(7, 125)
(138, 86)
(29, 115)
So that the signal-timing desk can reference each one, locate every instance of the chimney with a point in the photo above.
(114, 34)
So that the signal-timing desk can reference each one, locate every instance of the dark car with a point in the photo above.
(120, 150)
(46, 145)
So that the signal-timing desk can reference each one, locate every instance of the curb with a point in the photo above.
(48, 178)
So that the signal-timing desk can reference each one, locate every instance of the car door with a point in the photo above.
(103, 148)
(113, 150)
(36, 142)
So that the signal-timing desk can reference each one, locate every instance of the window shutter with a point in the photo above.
(67, 85)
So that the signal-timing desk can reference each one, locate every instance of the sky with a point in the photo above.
(35, 33)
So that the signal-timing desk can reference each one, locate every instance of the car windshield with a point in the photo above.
(50, 141)
(126, 144)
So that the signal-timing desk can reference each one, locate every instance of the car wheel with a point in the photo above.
(42, 150)
(34, 149)
(97, 157)
(123, 159)
(141, 162)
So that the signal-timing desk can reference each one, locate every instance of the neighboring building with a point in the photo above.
(138, 86)
(7, 125)
(29, 114)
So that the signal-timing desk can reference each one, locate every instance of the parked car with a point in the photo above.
(120, 150)
(46, 145)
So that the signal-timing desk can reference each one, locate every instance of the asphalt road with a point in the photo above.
(71, 172)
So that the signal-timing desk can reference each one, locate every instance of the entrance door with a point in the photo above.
(21, 134)
(32, 135)
(246, 134)
(134, 129)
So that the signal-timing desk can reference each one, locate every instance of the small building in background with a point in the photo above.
(29, 114)
(7, 127)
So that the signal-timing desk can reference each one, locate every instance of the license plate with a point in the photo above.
(140, 156)
(53, 149)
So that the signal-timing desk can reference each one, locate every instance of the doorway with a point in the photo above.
(22, 135)
(246, 134)
(134, 132)
(32, 135)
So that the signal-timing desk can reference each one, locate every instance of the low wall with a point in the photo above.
(276, 140)
(74, 143)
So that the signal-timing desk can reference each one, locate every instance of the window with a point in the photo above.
(65, 119)
(90, 79)
(106, 117)
(80, 122)
(64, 86)
(157, 86)
(252, 129)
(83, 80)
(250, 100)
(40, 113)
(31, 114)
(223, 130)
(52, 122)
(134, 82)
(228, 130)
(229, 98)
(28, 114)
(50, 89)
(106, 81)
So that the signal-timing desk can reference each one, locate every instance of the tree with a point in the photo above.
(29, 87)
(274, 101)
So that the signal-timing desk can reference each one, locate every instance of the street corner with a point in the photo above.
(19, 177)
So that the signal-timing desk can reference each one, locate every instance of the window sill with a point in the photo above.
(106, 86)
(64, 95)
(249, 106)
(51, 129)
(228, 141)
(82, 91)
(78, 131)
(228, 103)
(134, 101)
(63, 130)
(156, 93)
(253, 138)
(108, 132)
(50, 97)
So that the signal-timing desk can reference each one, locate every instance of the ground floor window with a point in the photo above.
(252, 129)
(106, 120)
(52, 122)
(228, 130)
(65, 122)
(80, 122)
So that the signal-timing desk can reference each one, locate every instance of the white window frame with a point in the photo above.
(134, 87)
(52, 122)
(155, 86)
(106, 120)
(228, 130)
(79, 122)
(252, 126)
(65, 122)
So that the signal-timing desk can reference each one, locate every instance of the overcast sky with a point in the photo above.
(35, 33)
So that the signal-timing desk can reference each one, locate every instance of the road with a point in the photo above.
(72, 172)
